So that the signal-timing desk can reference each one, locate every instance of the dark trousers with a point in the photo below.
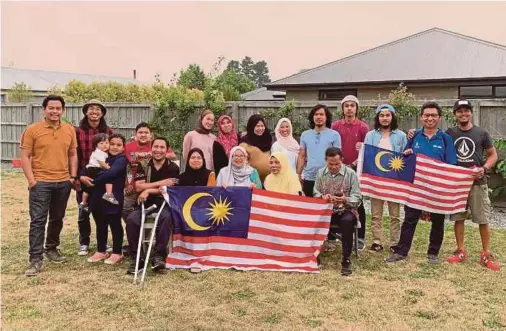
(46, 198)
(103, 222)
(361, 218)
(345, 224)
(162, 234)
(83, 222)
(408, 231)
(307, 187)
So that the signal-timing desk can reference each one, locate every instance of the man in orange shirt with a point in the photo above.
(48, 150)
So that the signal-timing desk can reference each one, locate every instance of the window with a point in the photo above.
(335, 94)
(476, 92)
(500, 92)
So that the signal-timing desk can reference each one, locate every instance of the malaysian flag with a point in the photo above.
(244, 229)
(416, 181)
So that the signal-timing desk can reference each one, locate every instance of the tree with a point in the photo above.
(261, 73)
(233, 64)
(20, 92)
(192, 78)
(231, 80)
(257, 72)
(247, 67)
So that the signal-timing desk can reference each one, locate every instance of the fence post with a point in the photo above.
(29, 111)
(477, 113)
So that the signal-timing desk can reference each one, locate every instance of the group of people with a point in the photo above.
(112, 178)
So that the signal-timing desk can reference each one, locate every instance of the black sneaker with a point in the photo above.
(131, 268)
(157, 263)
(393, 249)
(34, 268)
(55, 256)
(432, 259)
(376, 248)
(346, 267)
(395, 258)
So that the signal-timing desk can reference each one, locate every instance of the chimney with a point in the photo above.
(135, 74)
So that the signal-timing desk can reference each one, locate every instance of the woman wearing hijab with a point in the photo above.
(239, 172)
(227, 138)
(258, 143)
(196, 173)
(285, 142)
(201, 138)
(283, 179)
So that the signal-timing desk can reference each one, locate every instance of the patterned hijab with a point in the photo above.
(287, 142)
(263, 142)
(227, 140)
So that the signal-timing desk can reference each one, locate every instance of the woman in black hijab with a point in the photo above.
(196, 173)
(258, 143)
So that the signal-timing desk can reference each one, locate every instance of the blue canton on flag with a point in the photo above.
(388, 164)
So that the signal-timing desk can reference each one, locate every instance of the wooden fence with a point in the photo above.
(490, 114)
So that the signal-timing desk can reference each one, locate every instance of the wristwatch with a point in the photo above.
(75, 177)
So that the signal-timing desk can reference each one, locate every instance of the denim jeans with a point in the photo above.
(46, 198)
(83, 222)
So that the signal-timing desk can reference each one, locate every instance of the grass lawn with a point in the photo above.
(410, 295)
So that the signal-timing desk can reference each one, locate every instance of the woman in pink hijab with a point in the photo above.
(227, 139)
(285, 142)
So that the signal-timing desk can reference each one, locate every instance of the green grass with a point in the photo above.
(411, 295)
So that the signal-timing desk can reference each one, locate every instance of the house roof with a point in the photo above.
(40, 80)
(262, 94)
(434, 54)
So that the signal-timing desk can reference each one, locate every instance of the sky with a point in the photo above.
(113, 38)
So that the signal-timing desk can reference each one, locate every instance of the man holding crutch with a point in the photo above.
(157, 173)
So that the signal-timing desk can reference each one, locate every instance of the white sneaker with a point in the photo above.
(83, 250)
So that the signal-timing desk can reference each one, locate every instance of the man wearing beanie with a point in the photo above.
(385, 135)
(352, 131)
(471, 142)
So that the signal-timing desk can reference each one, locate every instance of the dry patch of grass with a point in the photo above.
(411, 295)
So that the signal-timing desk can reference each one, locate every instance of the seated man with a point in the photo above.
(338, 184)
(158, 172)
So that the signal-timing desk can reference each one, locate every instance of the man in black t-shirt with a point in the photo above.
(157, 173)
(471, 142)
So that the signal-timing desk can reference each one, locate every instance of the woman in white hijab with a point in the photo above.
(285, 142)
(238, 172)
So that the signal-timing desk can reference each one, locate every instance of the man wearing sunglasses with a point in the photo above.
(434, 143)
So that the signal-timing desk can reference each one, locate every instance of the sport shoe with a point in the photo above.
(331, 246)
(83, 250)
(108, 249)
(55, 256)
(131, 268)
(157, 263)
(361, 245)
(113, 259)
(460, 255)
(34, 268)
(395, 258)
(97, 257)
(487, 260)
(84, 207)
(346, 267)
(110, 198)
(432, 259)
(376, 248)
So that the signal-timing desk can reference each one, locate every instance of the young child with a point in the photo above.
(96, 165)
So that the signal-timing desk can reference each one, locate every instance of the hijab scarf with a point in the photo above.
(194, 177)
(201, 129)
(286, 181)
(227, 140)
(263, 142)
(237, 176)
(289, 143)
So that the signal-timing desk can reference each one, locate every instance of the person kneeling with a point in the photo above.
(338, 184)
(159, 172)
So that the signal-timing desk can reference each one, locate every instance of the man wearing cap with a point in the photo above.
(92, 123)
(385, 135)
(471, 142)
(352, 131)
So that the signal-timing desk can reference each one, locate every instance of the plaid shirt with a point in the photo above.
(85, 144)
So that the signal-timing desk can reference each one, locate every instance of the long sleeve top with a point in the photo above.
(345, 180)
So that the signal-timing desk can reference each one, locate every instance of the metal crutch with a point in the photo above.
(151, 243)
(139, 245)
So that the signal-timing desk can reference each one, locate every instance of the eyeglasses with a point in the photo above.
(430, 115)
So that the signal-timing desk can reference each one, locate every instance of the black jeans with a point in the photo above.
(345, 224)
(162, 234)
(83, 222)
(307, 187)
(46, 198)
(408, 228)
(103, 221)
(361, 218)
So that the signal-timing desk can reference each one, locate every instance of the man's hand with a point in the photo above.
(32, 183)
(252, 185)
(169, 182)
(300, 177)
(86, 181)
(358, 146)
(327, 197)
(478, 172)
(411, 133)
(408, 152)
(143, 196)
(129, 190)
(339, 200)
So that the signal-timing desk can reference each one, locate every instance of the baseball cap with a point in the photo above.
(462, 103)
